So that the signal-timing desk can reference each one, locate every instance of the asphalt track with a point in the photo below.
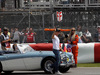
(72, 71)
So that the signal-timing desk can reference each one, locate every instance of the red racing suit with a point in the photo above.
(30, 37)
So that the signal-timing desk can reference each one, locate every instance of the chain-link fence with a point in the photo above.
(46, 18)
(86, 19)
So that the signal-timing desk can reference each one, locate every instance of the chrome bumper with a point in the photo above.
(67, 64)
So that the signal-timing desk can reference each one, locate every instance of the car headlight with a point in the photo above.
(63, 57)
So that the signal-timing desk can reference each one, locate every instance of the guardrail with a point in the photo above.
(76, 3)
(58, 3)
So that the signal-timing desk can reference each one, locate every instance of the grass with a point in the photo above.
(89, 65)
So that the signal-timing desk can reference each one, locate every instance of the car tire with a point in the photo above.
(7, 72)
(46, 65)
(0, 67)
(63, 69)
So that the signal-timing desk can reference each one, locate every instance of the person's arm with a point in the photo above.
(19, 33)
(76, 40)
(85, 38)
(34, 33)
(4, 41)
(61, 49)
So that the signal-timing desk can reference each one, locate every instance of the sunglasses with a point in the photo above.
(73, 30)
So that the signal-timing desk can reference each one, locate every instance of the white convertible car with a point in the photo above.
(29, 57)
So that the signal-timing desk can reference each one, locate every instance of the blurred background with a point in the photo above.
(40, 14)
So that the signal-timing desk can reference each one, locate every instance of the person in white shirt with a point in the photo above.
(16, 35)
(79, 32)
(56, 49)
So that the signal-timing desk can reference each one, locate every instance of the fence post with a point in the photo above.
(43, 25)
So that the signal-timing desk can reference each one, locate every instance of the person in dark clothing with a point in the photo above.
(97, 35)
(86, 39)
(5, 39)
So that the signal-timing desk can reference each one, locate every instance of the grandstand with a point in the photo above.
(41, 14)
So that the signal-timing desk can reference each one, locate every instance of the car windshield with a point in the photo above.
(25, 48)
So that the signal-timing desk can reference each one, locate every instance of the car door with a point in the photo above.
(14, 62)
(33, 60)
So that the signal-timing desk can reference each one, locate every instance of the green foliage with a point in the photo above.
(89, 65)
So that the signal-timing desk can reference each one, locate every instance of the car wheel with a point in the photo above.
(0, 67)
(64, 69)
(46, 66)
(7, 72)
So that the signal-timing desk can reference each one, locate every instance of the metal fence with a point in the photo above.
(42, 18)
(87, 19)
(48, 4)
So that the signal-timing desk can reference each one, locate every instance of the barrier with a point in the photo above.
(86, 52)
(89, 53)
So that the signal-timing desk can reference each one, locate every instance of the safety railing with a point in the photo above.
(37, 4)
(94, 2)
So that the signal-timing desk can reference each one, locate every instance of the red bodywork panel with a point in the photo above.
(42, 46)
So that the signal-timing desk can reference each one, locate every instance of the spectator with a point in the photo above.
(25, 36)
(61, 37)
(87, 37)
(66, 38)
(97, 35)
(5, 39)
(3, 4)
(22, 36)
(87, 33)
(12, 33)
(79, 32)
(30, 36)
(16, 35)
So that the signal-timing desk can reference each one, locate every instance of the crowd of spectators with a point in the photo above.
(85, 36)
(25, 36)
(28, 35)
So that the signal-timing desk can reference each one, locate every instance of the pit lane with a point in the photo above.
(72, 71)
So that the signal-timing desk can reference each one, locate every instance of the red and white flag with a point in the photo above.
(59, 16)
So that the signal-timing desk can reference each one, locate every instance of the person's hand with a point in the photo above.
(9, 40)
(62, 50)
(35, 33)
